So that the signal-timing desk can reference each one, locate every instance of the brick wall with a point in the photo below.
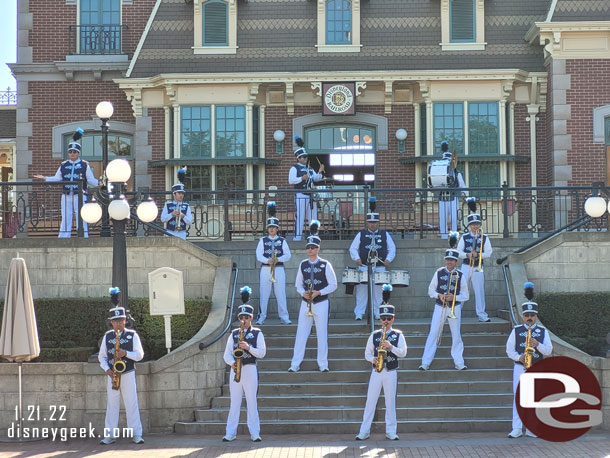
(156, 139)
(69, 102)
(522, 145)
(590, 88)
(52, 18)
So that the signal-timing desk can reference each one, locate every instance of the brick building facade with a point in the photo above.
(519, 89)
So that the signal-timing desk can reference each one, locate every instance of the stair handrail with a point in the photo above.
(513, 318)
(578, 222)
(235, 274)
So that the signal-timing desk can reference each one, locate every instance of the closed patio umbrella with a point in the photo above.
(19, 333)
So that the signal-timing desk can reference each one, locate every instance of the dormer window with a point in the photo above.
(215, 26)
(463, 25)
(338, 26)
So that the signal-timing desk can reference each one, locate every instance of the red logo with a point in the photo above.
(559, 399)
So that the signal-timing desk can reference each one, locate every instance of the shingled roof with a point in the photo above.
(581, 10)
(280, 36)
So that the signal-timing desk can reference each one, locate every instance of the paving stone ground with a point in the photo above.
(433, 445)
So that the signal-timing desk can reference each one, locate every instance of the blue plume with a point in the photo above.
(245, 294)
(313, 227)
(181, 174)
(114, 290)
(385, 294)
(529, 290)
(246, 289)
(114, 295)
(78, 134)
(372, 199)
(271, 209)
(387, 287)
(372, 203)
(299, 141)
(471, 199)
(528, 284)
(453, 238)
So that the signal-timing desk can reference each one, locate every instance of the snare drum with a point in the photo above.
(399, 278)
(364, 276)
(350, 276)
(440, 174)
(322, 194)
(381, 278)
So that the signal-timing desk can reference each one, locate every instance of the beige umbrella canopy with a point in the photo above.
(19, 334)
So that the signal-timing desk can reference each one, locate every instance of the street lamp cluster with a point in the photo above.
(115, 175)
(596, 205)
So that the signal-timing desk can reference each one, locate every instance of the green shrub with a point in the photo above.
(69, 329)
(581, 319)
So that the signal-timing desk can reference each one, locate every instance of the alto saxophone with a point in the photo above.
(238, 354)
(309, 299)
(529, 350)
(273, 262)
(119, 366)
(381, 352)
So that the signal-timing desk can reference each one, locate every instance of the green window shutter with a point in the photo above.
(462, 21)
(215, 24)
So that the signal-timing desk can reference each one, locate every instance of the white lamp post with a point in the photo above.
(596, 205)
(401, 136)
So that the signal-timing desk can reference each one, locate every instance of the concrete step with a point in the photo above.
(456, 425)
(410, 362)
(346, 413)
(354, 376)
(358, 352)
(316, 401)
(430, 387)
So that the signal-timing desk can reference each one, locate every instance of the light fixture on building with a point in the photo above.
(401, 136)
(279, 137)
(596, 205)
(104, 110)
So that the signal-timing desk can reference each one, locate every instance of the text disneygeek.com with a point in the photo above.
(65, 433)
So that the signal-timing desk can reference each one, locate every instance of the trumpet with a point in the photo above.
(309, 299)
(119, 366)
(238, 354)
(273, 262)
(381, 352)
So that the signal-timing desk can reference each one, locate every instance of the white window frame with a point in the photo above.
(478, 44)
(198, 47)
(322, 46)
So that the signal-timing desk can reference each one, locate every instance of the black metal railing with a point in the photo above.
(35, 209)
(96, 39)
(8, 97)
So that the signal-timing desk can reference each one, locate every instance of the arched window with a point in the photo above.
(215, 23)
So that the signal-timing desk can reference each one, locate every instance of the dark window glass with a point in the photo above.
(338, 22)
(215, 23)
(195, 128)
(119, 145)
(462, 18)
(230, 131)
(483, 128)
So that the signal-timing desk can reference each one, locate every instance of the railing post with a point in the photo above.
(421, 215)
(79, 219)
(505, 209)
(225, 193)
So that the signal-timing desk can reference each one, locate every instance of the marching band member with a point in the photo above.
(371, 245)
(272, 252)
(315, 281)
(73, 169)
(393, 342)
(517, 346)
(130, 351)
(473, 258)
(302, 178)
(245, 346)
(177, 214)
(448, 283)
(448, 203)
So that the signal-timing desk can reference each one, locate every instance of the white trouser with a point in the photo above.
(303, 208)
(517, 371)
(320, 316)
(69, 211)
(248, 386)
(279, 288)
(179, 234)
(447, 210)
(386, 379)
(478, 286)
(436, 328)
(130, 400)
(362, 294)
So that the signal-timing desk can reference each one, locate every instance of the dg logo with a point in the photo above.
(559, 399)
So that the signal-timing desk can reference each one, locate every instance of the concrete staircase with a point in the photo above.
(441, 399)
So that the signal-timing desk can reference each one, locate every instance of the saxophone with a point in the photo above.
(309, 299)
(238, 354)
(381, 352)
(273, 262)
(529, 350)
(119, 366)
